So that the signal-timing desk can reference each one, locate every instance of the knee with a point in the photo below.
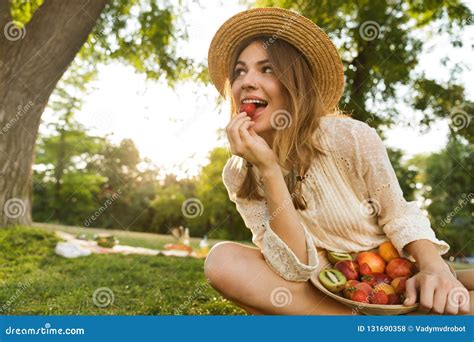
(218, 264)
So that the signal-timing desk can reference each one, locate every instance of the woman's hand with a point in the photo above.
(440, 291)
(246, 143)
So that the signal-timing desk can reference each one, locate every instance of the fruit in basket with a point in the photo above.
(364, 287)
(388, 251)
(376, 278)
(360, 296)
(378, 297)
(394, 299)
(368, 279)
(106, 240)
(371, 278)
(400, 267)
(382, 278)
(373, 260)
(349, 268)
(388, 289)
(364, 269)
(332, 279)
(349, 288)
(334, 257)
(399, 284)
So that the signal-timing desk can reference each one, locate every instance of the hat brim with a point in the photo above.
(290, 26)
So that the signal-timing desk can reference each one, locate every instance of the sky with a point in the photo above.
(177, 128)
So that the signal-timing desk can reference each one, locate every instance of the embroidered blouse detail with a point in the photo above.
(355, 202)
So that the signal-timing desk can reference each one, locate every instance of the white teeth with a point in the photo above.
(254, 101)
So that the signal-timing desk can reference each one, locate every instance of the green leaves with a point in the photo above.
(380, 44)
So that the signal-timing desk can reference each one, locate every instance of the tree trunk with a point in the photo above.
(32, 60)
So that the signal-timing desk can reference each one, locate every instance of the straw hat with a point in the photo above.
(290, 26)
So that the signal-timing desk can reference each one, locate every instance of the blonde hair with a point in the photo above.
(294, 146)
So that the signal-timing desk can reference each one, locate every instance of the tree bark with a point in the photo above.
(32, 60)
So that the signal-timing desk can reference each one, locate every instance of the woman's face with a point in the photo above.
(254, 78)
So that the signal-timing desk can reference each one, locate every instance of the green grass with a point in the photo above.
(33, 280)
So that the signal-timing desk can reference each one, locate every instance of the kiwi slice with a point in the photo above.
(334, 257)
(332, 279)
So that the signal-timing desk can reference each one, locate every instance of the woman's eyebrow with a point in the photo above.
(258, 63)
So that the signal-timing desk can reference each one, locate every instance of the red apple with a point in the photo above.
(400, 267)
(375, 261)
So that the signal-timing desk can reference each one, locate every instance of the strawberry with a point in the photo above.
(360, 296)
(378, 297)
(249, 108)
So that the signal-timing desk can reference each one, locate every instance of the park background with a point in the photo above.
(110, 102)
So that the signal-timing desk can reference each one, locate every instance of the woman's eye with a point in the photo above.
(238, 71)
(267, 68)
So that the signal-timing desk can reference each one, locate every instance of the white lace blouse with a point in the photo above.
(355, 202)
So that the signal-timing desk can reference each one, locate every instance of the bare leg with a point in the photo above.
(466, 277)
(241, 274)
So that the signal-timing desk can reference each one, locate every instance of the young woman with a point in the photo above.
(306, 178)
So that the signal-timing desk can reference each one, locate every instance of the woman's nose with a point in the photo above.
(249, 81)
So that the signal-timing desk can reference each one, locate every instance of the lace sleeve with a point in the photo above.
(255, 215)
(402, 221)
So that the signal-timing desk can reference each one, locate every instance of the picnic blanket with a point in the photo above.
(73, 247)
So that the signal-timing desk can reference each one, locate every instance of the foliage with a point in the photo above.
(380, 43)
(448, 188)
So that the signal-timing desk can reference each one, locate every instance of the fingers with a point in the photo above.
(427, 290)
(233, 133)
(245, 135)
(452, 305)
(440, 300)
(465, 307)
(458, 301)
(410, 291)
